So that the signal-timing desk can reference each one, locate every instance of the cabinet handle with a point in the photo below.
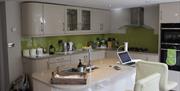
(61, 59)
(101, 27)
(79, 26)
(42, 29)
(63, 26)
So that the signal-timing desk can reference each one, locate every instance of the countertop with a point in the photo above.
(99, 77)
(78, 52)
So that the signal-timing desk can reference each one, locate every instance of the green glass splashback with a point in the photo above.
(139, 37)
(136, 36)
(78, 40)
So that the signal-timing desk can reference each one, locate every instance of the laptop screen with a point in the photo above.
(124, 56)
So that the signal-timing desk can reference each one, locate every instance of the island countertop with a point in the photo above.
(104, 78)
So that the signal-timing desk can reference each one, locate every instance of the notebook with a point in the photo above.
(124, 58)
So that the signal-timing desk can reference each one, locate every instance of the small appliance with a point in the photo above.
(26, 53)
(70, 46)
(33, 53)
(39, 51)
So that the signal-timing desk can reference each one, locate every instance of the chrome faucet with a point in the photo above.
(89, 56)
(89, 65)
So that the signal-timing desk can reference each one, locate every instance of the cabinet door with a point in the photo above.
(153, 57)
(106, 22)
(85, 19)
(97, 21)
(30, 66)
(61, 62)
(75, 58)
(32, 19)
(71, 18)
(100, 21)
(96, 55)
(54, 19)
(170, 12)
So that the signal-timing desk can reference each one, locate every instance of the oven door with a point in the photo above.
(170, 35)
(163, 55)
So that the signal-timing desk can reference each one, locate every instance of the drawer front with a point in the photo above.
(75, 58)
(62, 62)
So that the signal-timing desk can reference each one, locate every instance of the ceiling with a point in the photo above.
(106, 4)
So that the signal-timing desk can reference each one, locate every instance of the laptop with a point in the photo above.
(124, 58)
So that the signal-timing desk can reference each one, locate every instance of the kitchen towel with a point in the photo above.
(171, 57)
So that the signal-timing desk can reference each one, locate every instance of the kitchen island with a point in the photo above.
(105, 78)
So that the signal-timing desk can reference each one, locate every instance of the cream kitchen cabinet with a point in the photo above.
(32, 19)
(42, 19)
(111, 54)
(34, 65)
(145, 56)
(39, 19)
(96, 55)
(53, 20)
(135, 55)
(170, 12)
(75, 58)
(77, 20)
(60, 61)
(101, 21)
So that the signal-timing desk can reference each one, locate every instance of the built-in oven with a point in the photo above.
(170, 33)
(170, 39)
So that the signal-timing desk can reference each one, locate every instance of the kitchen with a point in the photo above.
(59, 24)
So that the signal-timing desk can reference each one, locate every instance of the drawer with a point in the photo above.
(62, 62)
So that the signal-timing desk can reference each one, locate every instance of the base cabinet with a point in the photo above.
(145, 56)
(38, 86)
(98, 55)
(61, 62)
(31, 66)
(136, 55)
(40, 65)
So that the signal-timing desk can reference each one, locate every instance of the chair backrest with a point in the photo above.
(144, 68)
(150, 83)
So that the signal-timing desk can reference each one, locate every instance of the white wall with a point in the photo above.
(14, 53)
(120, 17)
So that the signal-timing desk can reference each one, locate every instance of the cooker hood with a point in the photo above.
(137, 16)
(136, 20)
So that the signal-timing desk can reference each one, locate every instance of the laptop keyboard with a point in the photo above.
(131, 63)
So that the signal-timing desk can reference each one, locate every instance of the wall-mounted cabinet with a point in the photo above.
(54, 20)
(71, 19)
(170, 12)
(41, 19)
(101, 21)
(78, 20)
(32, 19)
